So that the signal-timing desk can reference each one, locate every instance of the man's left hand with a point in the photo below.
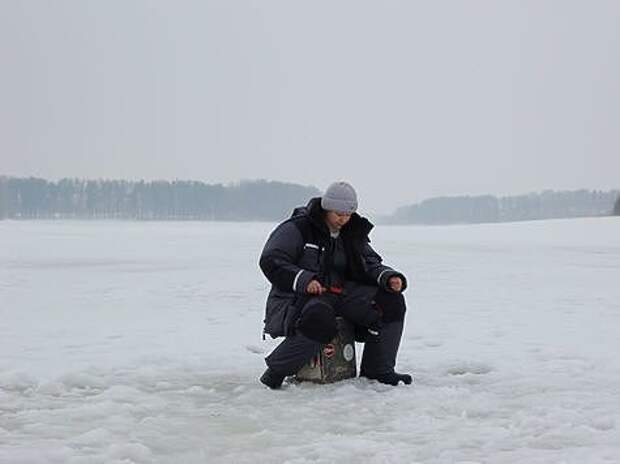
(395, 283)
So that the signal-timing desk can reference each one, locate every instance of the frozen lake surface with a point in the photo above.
(141, 343)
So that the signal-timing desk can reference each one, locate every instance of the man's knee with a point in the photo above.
(391, 306)
(318, 321)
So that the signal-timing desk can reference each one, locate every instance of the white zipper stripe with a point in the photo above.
(311, 245)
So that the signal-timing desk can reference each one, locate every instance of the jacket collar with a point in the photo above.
(358, 226)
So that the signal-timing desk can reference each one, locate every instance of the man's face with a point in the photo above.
(336, 220)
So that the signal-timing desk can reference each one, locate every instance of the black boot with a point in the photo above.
(272, 379)
(394, 377)
(379, 359)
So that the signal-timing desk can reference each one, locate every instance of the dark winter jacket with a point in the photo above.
(298, 250)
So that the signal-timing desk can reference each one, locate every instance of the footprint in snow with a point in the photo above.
(469, 368)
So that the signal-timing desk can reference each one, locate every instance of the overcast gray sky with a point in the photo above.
(405, 99)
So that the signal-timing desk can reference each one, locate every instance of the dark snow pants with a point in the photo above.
(363, 305)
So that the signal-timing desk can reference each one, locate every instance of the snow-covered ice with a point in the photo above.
(140, 343)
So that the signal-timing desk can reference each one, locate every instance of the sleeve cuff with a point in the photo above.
(385, 276)
(301, 281)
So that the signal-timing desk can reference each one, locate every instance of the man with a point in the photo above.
(321, 265)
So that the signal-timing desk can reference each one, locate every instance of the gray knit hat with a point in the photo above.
(340, 197)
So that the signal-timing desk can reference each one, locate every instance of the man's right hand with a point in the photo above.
(315, 288)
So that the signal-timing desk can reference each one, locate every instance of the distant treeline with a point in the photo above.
(261, 200)
(487, 208)
(32, 198)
